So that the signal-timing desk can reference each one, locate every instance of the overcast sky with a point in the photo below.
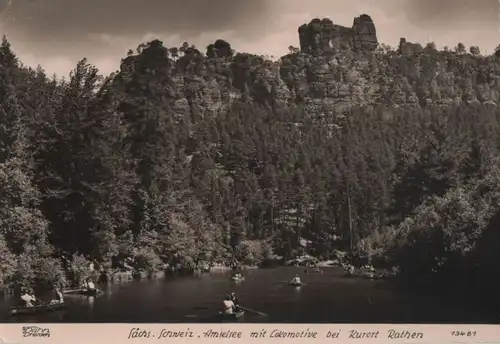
(57, 33)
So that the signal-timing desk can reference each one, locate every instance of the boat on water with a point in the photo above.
(237, 279)
(313, 271)
(364, 274)
(295, 284)
(232, 317)
(371, 275)
(37, 309)
(82, 291)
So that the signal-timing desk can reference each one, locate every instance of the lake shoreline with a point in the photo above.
(129, 276)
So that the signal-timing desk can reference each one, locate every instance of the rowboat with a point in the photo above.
(295, 284)
(232, 317)
(237, 279)
(37, 309)
(365, 275)
(313, 271)
(371, 275)
(82, 291)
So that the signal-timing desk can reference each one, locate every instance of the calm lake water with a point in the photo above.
(325, 298)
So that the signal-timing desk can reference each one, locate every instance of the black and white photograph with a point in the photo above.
(250, 161)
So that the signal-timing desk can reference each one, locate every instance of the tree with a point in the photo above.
(85, 180)
(497, 51)
(174, 52)
(474, 50)
(431, 45)
(221, 48)
(460, 48)
(184, 47)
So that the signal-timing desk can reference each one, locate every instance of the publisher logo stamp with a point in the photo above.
(35, 331)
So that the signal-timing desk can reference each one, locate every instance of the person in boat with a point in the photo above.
(28, 297)
(296, 280)
(235, 300)
(228, 305)
(90, 285)
(350, 269)
(59, 296)
(34, 298)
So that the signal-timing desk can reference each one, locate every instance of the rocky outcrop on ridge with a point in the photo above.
(324, 36)
(336, 68)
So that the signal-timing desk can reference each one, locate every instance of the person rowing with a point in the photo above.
(235, 300)
(35, 299)
(59, 296)
(228, 305)
(296, 280)
(90, 285)
(28, 297)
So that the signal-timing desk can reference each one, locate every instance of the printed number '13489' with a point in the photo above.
(463, 333)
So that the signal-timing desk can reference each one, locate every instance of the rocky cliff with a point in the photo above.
(321, 36)
(335, 69)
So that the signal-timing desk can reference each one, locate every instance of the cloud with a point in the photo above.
(458, 15)
(62, 65)
(70, 18)
(50, 31)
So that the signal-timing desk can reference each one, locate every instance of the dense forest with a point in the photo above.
(183, 157)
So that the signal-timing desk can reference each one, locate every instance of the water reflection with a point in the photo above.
(91, 301)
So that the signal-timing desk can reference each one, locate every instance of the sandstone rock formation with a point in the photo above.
(408, 48)
(365, 34)
(322, 35)
(337, 69)
(220, 48)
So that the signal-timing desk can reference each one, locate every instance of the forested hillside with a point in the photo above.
(185, 156)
